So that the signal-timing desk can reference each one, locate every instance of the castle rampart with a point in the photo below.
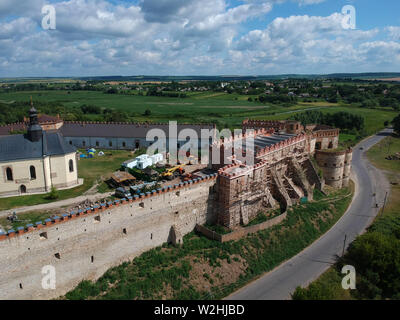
(83, 245)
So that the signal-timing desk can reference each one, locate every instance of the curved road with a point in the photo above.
(309, 264)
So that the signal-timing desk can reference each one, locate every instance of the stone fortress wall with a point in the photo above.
(283, 172)
(280, 178)
(83, 245)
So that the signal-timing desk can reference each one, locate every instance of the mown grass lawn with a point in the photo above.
(387, 147)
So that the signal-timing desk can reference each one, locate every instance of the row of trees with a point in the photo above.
(342, 120)
(154, 92)
(278, 99)
(15, 112)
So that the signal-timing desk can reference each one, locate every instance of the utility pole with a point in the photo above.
(389, 143)
(344, 244)
(384, 203)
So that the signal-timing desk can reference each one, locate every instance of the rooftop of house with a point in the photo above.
(261, 141)
(35, 144)
(19, 147)
(123, 130)
(268, 141)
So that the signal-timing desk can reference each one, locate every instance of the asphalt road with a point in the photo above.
(308, 265)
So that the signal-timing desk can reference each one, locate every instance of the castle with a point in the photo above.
(84, 244)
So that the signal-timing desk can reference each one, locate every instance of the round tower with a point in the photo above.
(333, 166)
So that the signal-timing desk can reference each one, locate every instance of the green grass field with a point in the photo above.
(224, 109)
(377, 155)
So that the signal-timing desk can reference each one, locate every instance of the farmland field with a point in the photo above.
(226, 110)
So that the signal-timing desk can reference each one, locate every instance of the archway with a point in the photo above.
(22, 189)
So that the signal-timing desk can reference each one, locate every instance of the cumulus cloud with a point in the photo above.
(394, 32)
(304, 43)
(98, 37)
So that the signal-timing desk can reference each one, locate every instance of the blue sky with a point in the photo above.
(197, 37)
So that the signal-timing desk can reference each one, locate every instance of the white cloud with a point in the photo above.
(317, 44)
(394, 32)
(97, 37)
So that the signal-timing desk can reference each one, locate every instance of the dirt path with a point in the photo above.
(57, 204)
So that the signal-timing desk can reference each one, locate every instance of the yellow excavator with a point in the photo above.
(172, 173)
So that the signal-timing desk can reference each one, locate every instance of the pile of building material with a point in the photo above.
(143, 161)
(394, 157)
(120, 179)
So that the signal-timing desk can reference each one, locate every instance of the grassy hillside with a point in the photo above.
(206, 269)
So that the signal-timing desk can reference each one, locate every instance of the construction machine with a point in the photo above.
(174, 172)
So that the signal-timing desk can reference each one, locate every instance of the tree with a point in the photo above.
(147, 113)
(396, 124)
(116, 116)
(53, 194)
(376, 257)
(112, 91)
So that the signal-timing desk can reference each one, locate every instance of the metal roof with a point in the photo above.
(267, 141)
(19, 147)
(122, 130)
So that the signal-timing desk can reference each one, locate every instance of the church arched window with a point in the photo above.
(9, 174)
(71, 166)
(32, 170)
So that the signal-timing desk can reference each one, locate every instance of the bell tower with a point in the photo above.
(34, 129)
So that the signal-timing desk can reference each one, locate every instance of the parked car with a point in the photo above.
(122, 193)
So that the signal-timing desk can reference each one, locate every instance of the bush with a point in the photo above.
(53, 194)
(376, 257)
